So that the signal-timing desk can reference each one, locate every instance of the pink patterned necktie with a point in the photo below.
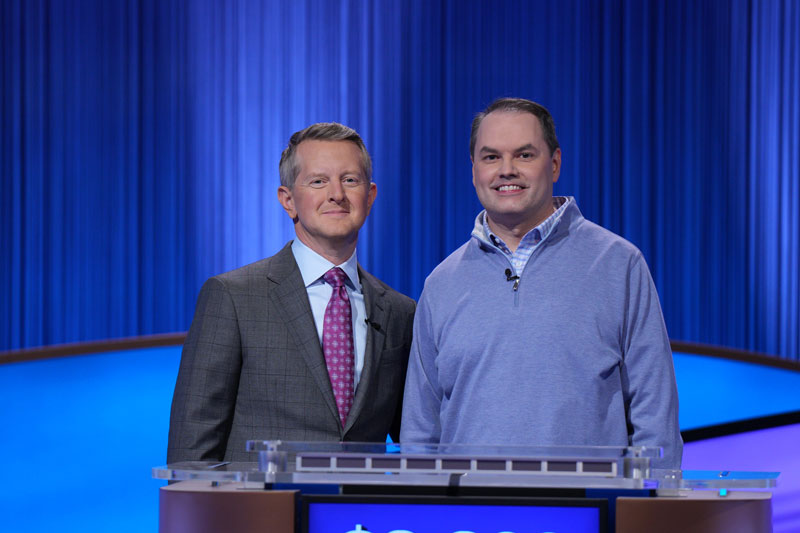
(337, 342)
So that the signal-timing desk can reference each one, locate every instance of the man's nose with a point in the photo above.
(336, 191)
(507, 167)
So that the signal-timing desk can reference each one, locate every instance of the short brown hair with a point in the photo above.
(321, 131)
(518, 105)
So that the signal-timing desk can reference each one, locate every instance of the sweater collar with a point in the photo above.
(563, 205)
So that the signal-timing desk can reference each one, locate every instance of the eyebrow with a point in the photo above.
(490, 150)
(325, 175)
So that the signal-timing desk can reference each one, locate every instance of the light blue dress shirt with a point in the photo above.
(312, 267)
(519, 257)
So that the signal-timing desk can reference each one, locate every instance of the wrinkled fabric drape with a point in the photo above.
(140, 143)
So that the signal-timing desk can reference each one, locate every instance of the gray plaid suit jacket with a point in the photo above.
(252, 366)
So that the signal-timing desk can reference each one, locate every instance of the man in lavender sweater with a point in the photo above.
(543, 328)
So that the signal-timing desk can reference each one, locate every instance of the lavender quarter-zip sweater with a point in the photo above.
(577, 355)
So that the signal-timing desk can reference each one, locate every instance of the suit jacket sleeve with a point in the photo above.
(394, 432)
(208, 379)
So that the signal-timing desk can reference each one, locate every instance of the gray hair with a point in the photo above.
(321, 131)
(518, 105)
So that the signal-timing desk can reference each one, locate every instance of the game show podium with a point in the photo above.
(314, 487)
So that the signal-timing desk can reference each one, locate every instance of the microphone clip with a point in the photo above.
(373, 325)
(514, 278)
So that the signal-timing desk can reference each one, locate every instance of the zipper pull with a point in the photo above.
(516, 283)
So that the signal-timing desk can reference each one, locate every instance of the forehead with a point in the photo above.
(501, 127)
(328, 156)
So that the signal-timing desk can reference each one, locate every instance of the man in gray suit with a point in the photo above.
(304, 345)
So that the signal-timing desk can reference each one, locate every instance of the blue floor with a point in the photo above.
(81, 434)
(715, 391)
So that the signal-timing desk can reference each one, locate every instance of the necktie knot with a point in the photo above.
(335, 277)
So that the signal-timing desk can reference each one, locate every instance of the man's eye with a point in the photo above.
(317, 183)
(490, 157)
(526, 155)
(351, 181)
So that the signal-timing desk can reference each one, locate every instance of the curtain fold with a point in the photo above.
(139, 145)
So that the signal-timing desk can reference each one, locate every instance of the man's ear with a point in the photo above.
(287, 201)
(373, 191)
(556, 162)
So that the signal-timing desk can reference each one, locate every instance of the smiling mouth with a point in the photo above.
(508, 188)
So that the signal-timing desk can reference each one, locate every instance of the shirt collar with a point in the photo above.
(482, 232)
(313, 266)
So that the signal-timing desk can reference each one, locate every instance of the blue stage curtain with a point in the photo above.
(140, 144)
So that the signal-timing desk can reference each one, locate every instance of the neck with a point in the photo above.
(512, 231)
(335, 252)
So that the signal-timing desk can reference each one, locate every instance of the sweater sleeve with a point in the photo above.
(423, 397)
(648, 371)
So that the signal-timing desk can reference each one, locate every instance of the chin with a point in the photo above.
(340, 236)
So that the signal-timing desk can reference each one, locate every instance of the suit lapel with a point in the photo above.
(377, 312)
(290, 297)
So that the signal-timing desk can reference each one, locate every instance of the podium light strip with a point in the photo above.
(320, 462)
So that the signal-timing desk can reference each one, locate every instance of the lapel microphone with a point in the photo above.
(373, 325)
(515, 279)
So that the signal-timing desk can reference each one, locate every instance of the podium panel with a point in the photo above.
(433, 484)
(200, 507)
(697, 512)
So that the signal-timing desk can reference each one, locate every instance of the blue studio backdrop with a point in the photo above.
(139, 145)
